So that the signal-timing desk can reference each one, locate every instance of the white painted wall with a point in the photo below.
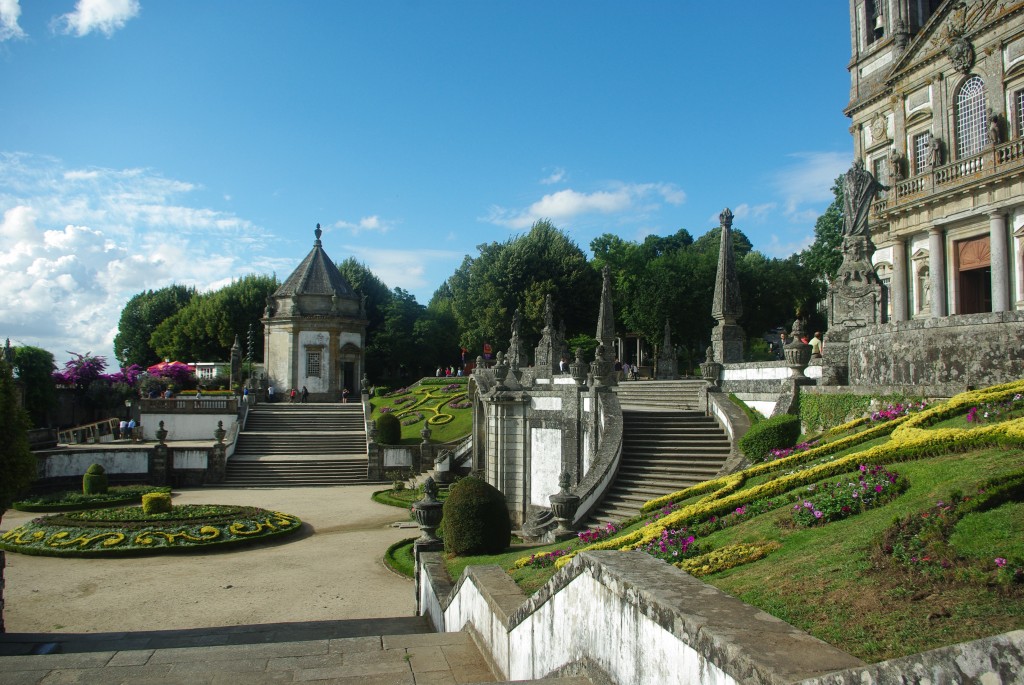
(76, 463)
(190, 459)
(186, 426)
(319, 340)
(545, 464)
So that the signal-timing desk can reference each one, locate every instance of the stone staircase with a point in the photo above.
(664, 447)
(300, 444)
(384, 650)
(680, 394)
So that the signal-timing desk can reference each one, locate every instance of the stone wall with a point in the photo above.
(637, 621)
(939, 356)
(635, 618)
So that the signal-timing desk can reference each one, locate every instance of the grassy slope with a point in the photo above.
(828, 581)
(428, 399)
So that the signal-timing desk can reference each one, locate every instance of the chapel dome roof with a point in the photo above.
(316, 275)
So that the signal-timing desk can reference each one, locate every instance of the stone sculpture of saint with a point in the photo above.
(859, 190)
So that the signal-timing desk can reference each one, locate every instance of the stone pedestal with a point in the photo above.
(854, 301)
(727, 340)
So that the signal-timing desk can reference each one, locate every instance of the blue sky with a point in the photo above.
(145, 143)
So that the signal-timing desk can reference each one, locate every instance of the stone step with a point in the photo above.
(367, 650)
(269, 473)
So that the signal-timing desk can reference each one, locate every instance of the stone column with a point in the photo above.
(1000, 263)
(898, 286)
(937, 270)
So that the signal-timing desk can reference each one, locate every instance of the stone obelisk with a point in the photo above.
(727, 337)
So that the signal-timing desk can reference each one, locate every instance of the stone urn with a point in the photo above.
(425, 434)
(220, 432)
(501, 371)
(161, 433)
(710, 370)
(564, 506)
(578, 369)
(797, 352)
(600, 369)
(428, 512)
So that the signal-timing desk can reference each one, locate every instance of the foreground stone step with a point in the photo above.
(334, 651)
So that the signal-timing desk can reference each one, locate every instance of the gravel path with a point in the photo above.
(335, 573)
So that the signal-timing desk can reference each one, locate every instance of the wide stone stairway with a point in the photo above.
(300, 444)
(667, 444)
(398, 651)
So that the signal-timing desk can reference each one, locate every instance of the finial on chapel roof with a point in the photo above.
(317, 233)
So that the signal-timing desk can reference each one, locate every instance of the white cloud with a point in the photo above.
(10, 11)
(368, 224)
(78, 244)
(105, 16)
(809, 181)
(777, 248)
(402, 268)
(746, 212)
(565, 205)
(557, 176)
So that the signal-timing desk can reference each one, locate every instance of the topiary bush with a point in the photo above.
(94, 482)
(389, 429)
(771, 434)
(476, 519)
(156, 503)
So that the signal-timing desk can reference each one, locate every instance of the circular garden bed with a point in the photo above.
(74, 500)
(129, 530)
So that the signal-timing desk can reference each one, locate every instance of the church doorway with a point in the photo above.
(974, 276)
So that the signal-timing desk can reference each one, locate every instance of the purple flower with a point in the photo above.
(817, 514)
(1000, 562)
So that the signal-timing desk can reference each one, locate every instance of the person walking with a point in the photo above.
(270, 394)
(291, 396)
(305, 395)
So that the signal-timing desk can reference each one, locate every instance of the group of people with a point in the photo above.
(448, 372)
(626, 371)
(125, 429)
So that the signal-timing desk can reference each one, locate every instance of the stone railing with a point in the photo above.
(218, 404)
(631, 619)
(604, 465)
(991, 164)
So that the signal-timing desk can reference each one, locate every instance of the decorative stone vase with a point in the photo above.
(501, 371)
(428, 512)
(710, 370)
(578, 369)
(220, 432)
(425, 434)
(797, 352)
(564, 505)
(161, 433)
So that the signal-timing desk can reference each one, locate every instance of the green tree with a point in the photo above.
(17, 465)
(485, 291)
(140, 317)
(35, 369)
(205, 328)
(377, 297)
(825, 254)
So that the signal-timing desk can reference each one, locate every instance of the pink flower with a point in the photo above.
(1000, 562)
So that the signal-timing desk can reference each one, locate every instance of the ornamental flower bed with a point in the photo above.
(847, 497)
(786, 451)
(894, 411)
(73, 500)
(988, 412)
(674, 545)
(128, 530)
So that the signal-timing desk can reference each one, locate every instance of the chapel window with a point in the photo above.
(921, 146)
(881, 170)
(971, 125)
(313, 363)
(1018, 111)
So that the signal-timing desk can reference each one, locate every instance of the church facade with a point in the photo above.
(315, 331)
(937, 109)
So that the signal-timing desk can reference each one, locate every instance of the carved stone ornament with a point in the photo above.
(961, 54)
(879, 129)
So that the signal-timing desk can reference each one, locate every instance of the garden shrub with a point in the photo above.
(774, 433)
(156, 503)
(389, 429)
(94, 482)
(476, 519)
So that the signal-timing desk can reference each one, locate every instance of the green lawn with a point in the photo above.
(428, 402)
(847, 582)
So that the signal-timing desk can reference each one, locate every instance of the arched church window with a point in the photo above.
(971, 124)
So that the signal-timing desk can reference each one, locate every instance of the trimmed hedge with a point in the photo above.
(476, 519)
(774, 433)
(389, 429)
(94, 482)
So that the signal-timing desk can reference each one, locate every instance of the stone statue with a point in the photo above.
(896, 165)
(935, 152)
(8, 352)
(859, 190)
(994, 135)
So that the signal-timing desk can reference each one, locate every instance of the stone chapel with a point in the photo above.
(315, 331)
